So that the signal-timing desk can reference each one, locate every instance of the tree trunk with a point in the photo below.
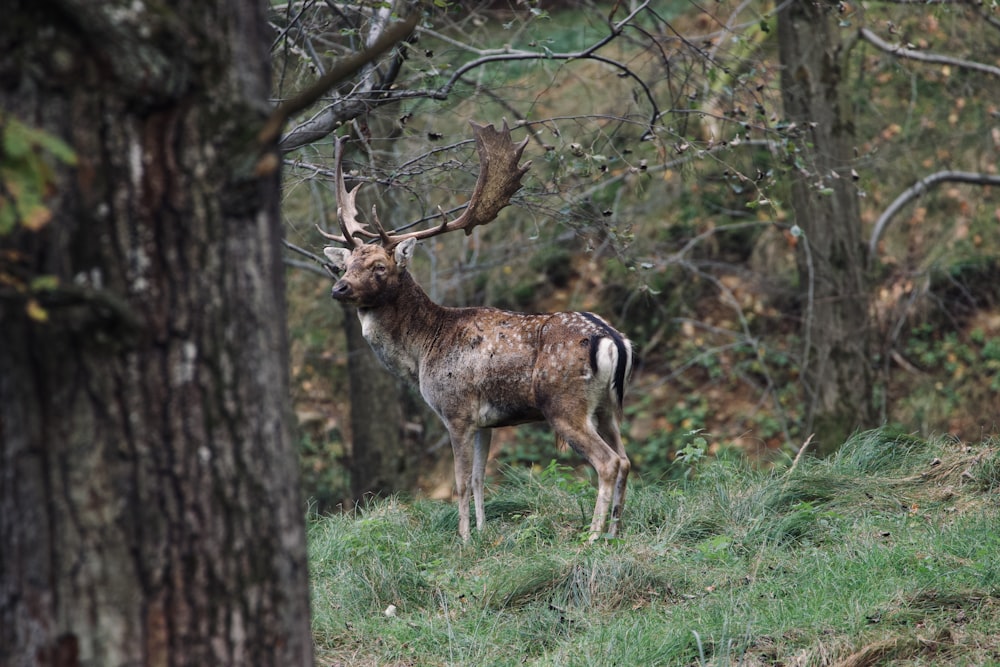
(149, 501)
(381, 455)
(836, 370)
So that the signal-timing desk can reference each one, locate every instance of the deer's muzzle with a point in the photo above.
(341, 291)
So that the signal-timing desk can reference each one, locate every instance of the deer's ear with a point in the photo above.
(404, 251)
(337, 256)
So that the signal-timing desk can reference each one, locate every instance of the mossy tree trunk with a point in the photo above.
(149, 501)
(837, 372)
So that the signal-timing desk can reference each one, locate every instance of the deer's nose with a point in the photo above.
(341, 290)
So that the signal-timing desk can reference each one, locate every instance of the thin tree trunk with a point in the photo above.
(382, 459)
(149, 501)
(836, 369)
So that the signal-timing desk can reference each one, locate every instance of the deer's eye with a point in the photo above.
(380, 269)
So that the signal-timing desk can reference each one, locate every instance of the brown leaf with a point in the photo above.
(37, 218)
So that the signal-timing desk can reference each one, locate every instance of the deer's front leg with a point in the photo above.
(462, 449)
(480, 455)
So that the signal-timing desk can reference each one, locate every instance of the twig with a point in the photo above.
(903, 363)
(802, 450)
(589, 53)
(305, 266)
(316, 258)
(104, 304)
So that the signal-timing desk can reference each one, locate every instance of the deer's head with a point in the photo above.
(371, 271)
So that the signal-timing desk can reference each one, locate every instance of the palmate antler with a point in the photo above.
(499, 178)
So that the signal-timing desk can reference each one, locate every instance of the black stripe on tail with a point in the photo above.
(623, 356)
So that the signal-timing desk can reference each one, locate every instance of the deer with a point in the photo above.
(479, 368)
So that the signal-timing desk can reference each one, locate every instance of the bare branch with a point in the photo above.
(345, 69)
(934, 58)
(327, 266)
(589, 53)
(918, 189)
(976, 6)
(671, 164)
(329, 118)
(305, 266)
(326, 121)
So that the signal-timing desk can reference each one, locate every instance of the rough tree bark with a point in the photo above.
(837, 371)
(149, 502)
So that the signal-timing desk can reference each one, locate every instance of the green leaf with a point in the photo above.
(7, 217)
(44, 283)
(16, 141)
(57, 147)
(27, 173)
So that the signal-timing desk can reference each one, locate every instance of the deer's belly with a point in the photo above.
(493, 415)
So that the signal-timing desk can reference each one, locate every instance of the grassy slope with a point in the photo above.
(888, 553)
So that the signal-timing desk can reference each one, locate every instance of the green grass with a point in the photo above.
(886, 553)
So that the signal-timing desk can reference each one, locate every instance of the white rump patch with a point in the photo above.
(607, 360)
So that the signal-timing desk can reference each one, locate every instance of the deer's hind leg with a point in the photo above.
(587, 441)
(607, 427)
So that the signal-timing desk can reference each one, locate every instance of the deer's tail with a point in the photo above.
(612, 353)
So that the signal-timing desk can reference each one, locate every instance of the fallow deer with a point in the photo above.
(480, 368)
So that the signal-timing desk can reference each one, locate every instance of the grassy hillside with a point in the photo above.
(887, 553)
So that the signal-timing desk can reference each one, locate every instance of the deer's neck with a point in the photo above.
(402, 327)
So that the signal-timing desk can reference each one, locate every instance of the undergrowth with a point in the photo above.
(886, 553)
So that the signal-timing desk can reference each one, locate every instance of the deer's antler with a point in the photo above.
(499, 178)
(347, 209)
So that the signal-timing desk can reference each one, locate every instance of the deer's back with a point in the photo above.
(511, 366)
